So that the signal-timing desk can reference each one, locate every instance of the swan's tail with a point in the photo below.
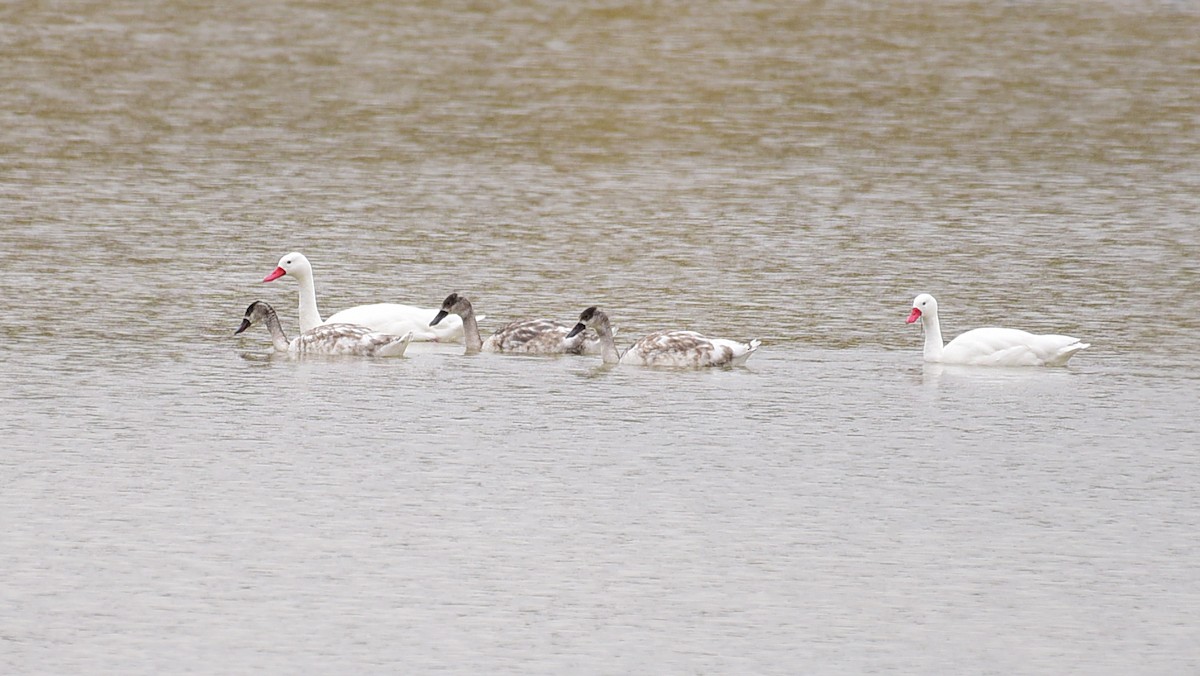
(397, 347)
(750, 348)
(1064, 355)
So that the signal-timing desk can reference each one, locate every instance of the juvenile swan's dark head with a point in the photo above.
(591, 317)
(255, 312)
(453, 305)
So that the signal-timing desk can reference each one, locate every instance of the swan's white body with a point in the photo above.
(990, 346)
(679, 349)
(524, 336)
(391, 318)
(330, 339)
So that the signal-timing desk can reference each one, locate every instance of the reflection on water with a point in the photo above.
(794, 172)
(934, 374)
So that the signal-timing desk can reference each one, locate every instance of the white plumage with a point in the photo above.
(681, 349)
(390, 318)
(524, 336)
(990, 346)
(330, 339)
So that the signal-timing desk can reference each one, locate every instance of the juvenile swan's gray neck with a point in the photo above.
(471, 337)
(933, 336)
(608, 347)
(278, 338)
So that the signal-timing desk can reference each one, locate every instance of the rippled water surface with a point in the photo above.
(175, 498)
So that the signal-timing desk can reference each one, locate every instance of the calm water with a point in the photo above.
(177, 499)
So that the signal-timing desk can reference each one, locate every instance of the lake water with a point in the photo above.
(177, 499)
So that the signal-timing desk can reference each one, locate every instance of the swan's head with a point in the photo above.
(292, 264)
(453, 305)
(922, 305)
(591, 318)
(255, 313)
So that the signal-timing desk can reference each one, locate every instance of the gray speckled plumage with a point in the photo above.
(326, 339)
(534, 336)
(683, 349)
(680, 349)
(524, 336)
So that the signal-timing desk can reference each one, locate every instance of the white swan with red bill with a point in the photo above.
(990, 346)
(390, 318)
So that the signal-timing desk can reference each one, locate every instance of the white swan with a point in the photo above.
(335, 339)
(990, 346)
(524, 336)
(665, 348)
(383, 317)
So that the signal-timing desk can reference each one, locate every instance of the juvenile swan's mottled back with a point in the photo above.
(524, 336)
(682, 349)
(329, 339)
(688, 348)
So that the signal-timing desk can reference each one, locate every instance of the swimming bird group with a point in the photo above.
(386, 329)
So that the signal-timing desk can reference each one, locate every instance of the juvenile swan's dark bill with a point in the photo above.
(254, 312)
(440, 316)
(579, 328)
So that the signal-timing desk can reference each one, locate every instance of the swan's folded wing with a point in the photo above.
(398, 320)
(686, 349)
(530, 336)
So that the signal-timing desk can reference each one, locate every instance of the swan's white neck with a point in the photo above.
(471, 337)
(933, 336)
(608, 347)
(278, 338)
(310, 317)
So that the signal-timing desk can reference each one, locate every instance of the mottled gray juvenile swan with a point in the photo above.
(524, 336)
(990, 346)
(334, 339)
(666, 348)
